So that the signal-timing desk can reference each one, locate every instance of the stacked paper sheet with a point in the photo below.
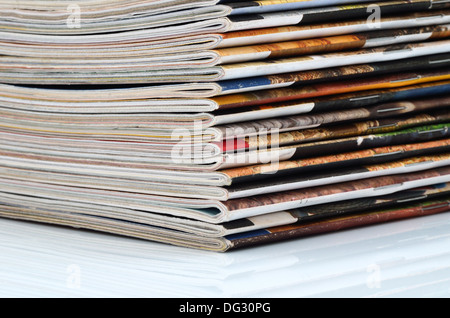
(224, 124)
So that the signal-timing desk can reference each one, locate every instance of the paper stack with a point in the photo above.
(220, 125)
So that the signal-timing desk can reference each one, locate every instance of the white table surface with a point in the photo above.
(402, 259)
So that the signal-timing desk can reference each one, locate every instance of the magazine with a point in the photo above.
(224, 124)
(220, 238)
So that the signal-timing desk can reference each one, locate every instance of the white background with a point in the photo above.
(402, 259)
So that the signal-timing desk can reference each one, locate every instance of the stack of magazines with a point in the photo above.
(220, 125)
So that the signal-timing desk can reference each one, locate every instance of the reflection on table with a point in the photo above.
(402, 259)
